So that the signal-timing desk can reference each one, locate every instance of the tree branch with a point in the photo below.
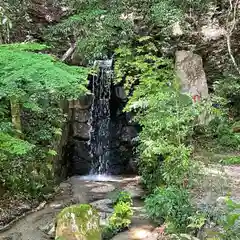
(69, 52)
(230, 28)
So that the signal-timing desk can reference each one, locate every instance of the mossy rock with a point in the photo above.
(78, 222)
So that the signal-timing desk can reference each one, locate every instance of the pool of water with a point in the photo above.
(104, 178)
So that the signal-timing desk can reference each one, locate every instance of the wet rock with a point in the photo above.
(128, 134)
(83, 103)
(104, 216)
(103, 205)
(81, 158)
(25, 206)
(56, 205)
(104, 188)
(134, 189)
(138, 233)
(78, 222)
(81, 115)
(51, 232)
(64, 186)
(133, 166)
(120, 93)
(13, 236)
(48, 229)
(81, 130)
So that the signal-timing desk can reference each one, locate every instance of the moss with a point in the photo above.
(79, 221)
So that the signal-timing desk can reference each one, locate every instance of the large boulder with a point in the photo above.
(189, 69)
(78, 222)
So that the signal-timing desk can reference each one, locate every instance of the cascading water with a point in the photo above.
(100, 142)
(100, 135)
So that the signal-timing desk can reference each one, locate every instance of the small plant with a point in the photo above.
(170, 205)
(121, 217)
(197, 221)
(226, 220)
(122, 196)
(230, 221)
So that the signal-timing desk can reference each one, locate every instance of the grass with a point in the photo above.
(234, 160)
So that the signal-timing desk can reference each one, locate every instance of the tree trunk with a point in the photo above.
(16, 115)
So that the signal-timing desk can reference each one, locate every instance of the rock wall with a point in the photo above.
(122, 131)
(78, 152)
(60, 162)
(123, 134)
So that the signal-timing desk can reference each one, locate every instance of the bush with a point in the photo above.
(166, 116)
(170, 205)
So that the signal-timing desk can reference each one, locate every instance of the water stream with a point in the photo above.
(100, 135)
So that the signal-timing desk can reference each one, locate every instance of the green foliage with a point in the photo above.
(25, 74)
(170, 205)
(231, 160)
(164, 113)
(122, 196)
(39, 82)
(13, 145)
(219, 134)
(165, 13)
(121, 217)
(227, 88)
(100, 26)
(231, 221)
(197, 221)
(227, 218)
(95, 26)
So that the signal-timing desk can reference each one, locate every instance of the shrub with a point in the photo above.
(33, 87)
(166, 116)
(170, 205)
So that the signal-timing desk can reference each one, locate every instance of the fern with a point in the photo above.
(23, 73)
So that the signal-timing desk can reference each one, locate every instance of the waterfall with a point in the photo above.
(100, 134)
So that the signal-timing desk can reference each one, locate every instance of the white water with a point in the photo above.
(100, 178)
(100, 135)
